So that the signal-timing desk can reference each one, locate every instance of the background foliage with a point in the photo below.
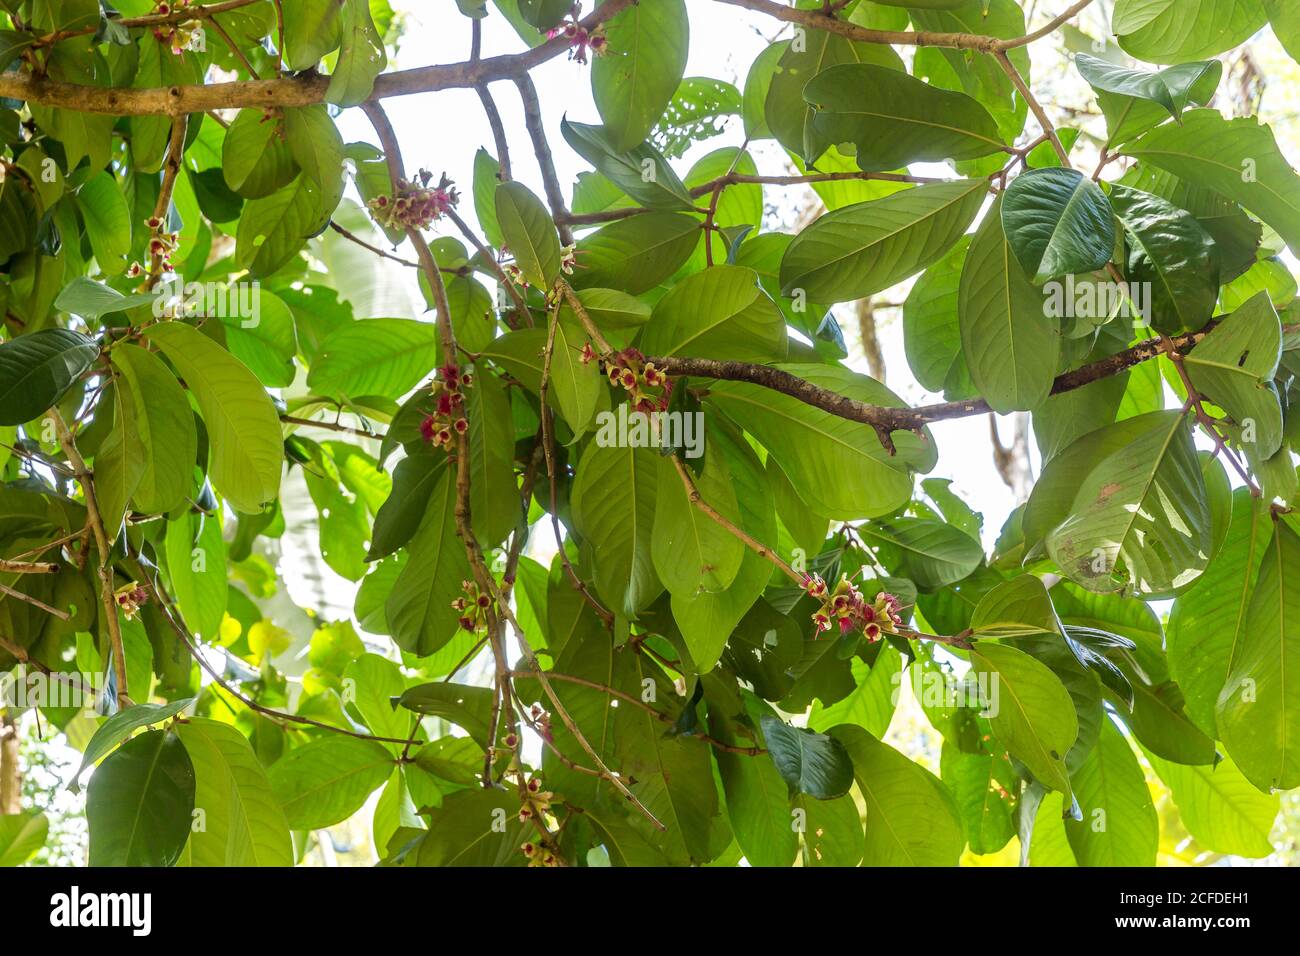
(657, 687)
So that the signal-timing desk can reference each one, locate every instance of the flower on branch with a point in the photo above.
(415, 205)
(580, 38)
(648, 387)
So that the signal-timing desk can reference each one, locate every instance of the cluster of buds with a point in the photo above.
(541, 721)
(580, 38)
(179, 36)
(129, 597)
(648, 386)
(416, 204)
(161, 246)
(472, 606)
(539, 855)
(534, 801)
(447, 419)
(845, 607)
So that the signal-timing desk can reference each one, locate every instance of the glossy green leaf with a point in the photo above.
(246, 454)
(1058, 222)
(139, 803)
(858, 250)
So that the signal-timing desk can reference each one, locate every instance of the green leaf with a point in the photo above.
(196, 568)
(980, 784)
(543, 14)
(325, 781)
(419, 612)
(311, 30)
(527, 230)
(107, 218)
(1208, 621)
(255, 159)
(1219, 807)
(837, 466)
(809, 762)
(692, 553)
(274, 229)
(641, 172)
(165, 426)
(385, 357)
(37, 369)
(576, 384)
(709, 619)
(139, 803)
(1140, 518)
(465, 706)
(246, 454)
(464, 831)
(1258, 712)
(361, 56)
(1029, 709)
(931, 325)
(1119, 825)
(672, 775)
(861, 249)
(719, 312)
(1238, 158)
(1008, 343)
(1173, 255)
(911, 817)
(1017, 608)
(613, 501)
(758, 802)
(930, 553)
(786, 114)
(93, 300)
(632, 86)
(1234, 365)
(242, 823)
(121, 725)
(1134, 100)
(494, 498)
(414, 480)
(833, 834)
(1171, 31)
(696, 112)
(22, 835)
(1058, 222)
(894, 119)
(636, 254)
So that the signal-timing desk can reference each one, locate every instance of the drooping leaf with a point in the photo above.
(1058, 222)
(243, 428)
(139, 802)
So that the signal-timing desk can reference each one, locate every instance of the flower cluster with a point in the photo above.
(416, 204)
(534, 800)
(648, 386)
(541, 721)
(180, 36)
(472, 606)
(845, 607)
(129, 598)
(539, 855)
(448, 417)
(580, 38)
(161, 246)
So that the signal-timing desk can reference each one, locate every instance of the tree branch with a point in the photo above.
(287, 91)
